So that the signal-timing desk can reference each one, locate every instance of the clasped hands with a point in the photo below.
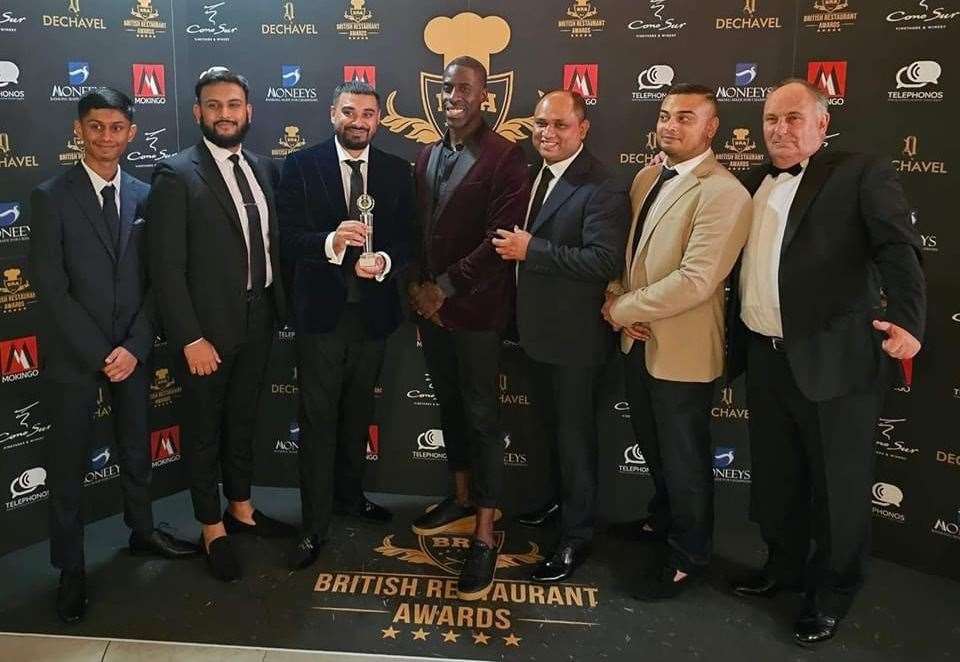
(638, 330)
(512, 244)
(354, 233)
(119, 364)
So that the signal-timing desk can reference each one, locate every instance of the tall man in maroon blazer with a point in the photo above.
(469, 184)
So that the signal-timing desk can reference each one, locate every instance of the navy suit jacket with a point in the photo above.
(92, 296)
(311, 205)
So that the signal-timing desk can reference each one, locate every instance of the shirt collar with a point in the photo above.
(98, 181)
(560, 167)
(344, 155)
(690, 164)
(221, 154)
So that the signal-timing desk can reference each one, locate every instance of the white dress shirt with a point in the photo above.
(99, 183)
(557, 169)
(682, 168)
(222, 158)
(760, 269)
(345, 173)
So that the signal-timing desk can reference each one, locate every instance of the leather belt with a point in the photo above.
(776, 343)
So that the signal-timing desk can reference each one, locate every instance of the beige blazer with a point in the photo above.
(675, 281)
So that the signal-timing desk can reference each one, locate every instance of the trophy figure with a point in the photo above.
(368, 259)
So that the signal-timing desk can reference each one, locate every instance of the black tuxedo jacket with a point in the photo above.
(850, 254)
(92, 296)
(198, 257)
(578, 246)
(311, 202)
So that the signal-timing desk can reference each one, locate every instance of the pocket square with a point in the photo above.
(140, 221)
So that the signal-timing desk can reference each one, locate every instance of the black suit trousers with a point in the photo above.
(464, 366)
(565, 398)
(71, 407)
(221, 415)
(812, 474)
(337, 373)
(672, 423)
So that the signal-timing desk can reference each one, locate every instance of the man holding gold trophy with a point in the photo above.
(345, 300)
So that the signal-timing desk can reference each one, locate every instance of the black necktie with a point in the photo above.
(356, 188)
(110, 216)
(666, 174)
(546, 176)
(258, 262)
(794, 170)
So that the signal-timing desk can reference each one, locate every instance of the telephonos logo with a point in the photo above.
(634, 464)
(584, 79)
(360, 73)
(165, 445)
(25, 488)
(653, 83)
(430, 445)
(887, 501)
(917, 82)
(9, 81)
(831, 77)
(149, 84)
(20, 359)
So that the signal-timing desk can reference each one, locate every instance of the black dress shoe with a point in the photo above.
(263, 526)
(565, 559)
(366, 509)
(161, 543)
(307, 551)
(446, 516)
(659, 585)
(476, 576)
(540, 516)
(640, 530)
(814, 627)
(71, 596)
(222, 559)
(760, 585)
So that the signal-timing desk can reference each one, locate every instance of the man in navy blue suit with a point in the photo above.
(87, 255)
(343, 308)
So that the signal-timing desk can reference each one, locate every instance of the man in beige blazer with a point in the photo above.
(691, 217)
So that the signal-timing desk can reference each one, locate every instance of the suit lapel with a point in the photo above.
(208, 171)
(818, 169)
(565, 186)
(678, 191)
(429, 175)
(469, 156)
(328, 167)
(128, 209)
(82, 190)
(644, 185)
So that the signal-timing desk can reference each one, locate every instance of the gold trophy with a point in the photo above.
(368, 259)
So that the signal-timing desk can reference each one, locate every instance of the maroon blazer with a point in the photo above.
(487, 189)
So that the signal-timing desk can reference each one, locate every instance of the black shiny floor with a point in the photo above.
(900, 615)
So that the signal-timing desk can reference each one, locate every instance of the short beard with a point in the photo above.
(211, 134)
(347, 143)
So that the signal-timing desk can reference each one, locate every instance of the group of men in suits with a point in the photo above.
(825, 292)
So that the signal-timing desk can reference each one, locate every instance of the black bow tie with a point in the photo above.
(774, 171)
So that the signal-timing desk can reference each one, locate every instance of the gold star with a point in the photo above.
(420, 634)
(450, 636)
(513, 640)
(390, 633)
(480, 638)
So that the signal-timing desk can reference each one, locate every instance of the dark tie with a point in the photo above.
(775, 172)
(666, 174)
(258, 262)
(356, 188)
(546, 176)
(110, 216)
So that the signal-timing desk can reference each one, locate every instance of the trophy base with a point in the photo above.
(368, 261)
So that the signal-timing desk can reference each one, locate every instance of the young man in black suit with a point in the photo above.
(829, 296)
(343, 308)
(571, 245)
(96, 330)
(216, 272)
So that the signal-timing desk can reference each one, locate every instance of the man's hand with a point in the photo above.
(377, 269)
(426, 298)
(512, 245)
(119, 364)
(638, 331)
(202, 358)
(348, 233)
(605, 310)
(900, 343)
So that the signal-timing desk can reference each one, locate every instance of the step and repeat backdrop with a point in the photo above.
(890, 68)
